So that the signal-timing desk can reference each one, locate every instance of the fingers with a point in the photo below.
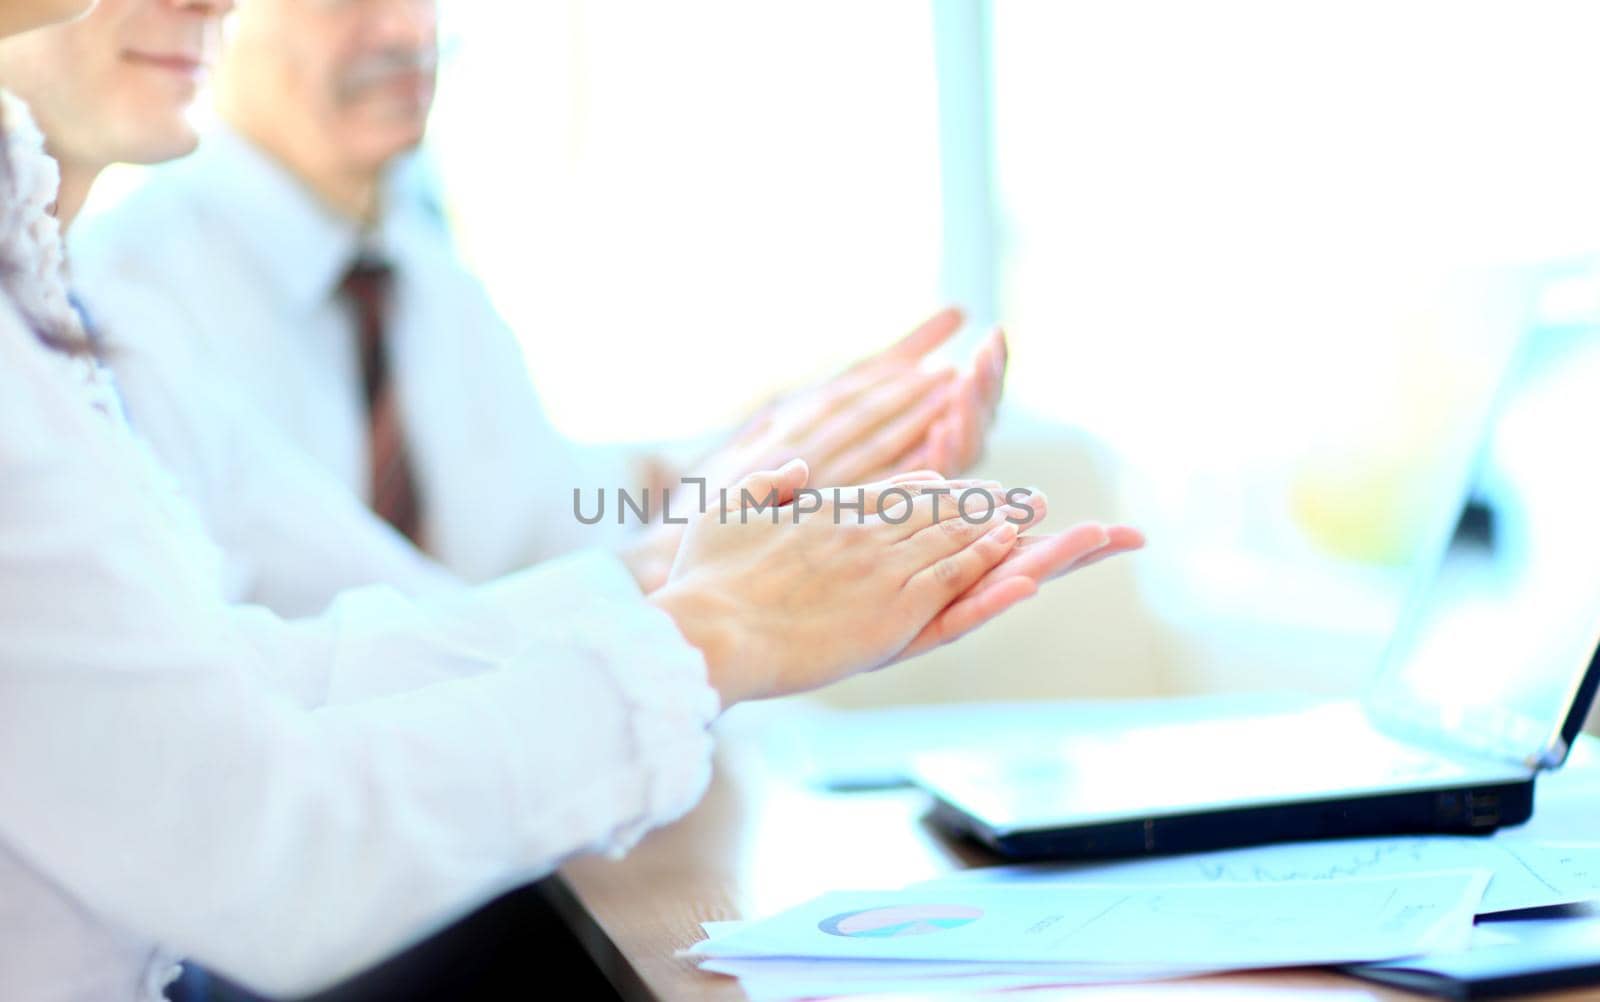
(913, 459)
(948, 438)
(939, 452)
(890, 496)
(1018, 576)
(949, 533)
(888, 366)
(766, 488)
(956, 442)
(841, 392)
(927, 336)
(857, 420)
(1124, 539)
(967, 614)
(1041, 558)
(903, 505)
(895, 435)
(1051, 556)
(919, 508)
(971, 422)
(892, 362)
(948, 577)
(989, 369)
(910, 476)
(879, 414)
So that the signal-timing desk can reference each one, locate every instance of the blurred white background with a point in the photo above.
(684, 206)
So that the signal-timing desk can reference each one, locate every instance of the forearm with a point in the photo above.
(289, 848)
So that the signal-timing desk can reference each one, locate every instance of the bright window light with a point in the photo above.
(1237, 241)
(681, 208)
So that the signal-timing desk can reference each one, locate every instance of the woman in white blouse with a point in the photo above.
(290, 801)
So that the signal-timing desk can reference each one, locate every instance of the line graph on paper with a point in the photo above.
(1527, 873)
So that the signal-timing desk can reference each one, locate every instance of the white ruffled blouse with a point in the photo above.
(285, 801)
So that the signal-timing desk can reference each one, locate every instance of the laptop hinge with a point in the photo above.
(1553, 756)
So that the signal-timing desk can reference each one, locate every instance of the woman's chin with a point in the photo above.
(160, 144)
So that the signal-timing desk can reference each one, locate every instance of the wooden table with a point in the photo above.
(760, 842)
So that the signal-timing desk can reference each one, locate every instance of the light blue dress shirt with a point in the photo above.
(215, 284)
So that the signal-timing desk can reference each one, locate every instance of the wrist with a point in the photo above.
(649, 555)
(707, 623)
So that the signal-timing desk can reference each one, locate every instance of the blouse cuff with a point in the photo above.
(670, 705)
(584, 645)
(640, 663)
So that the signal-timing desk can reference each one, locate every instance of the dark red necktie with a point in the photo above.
(367, 287)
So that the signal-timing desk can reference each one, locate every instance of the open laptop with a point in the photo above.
(1487, 681)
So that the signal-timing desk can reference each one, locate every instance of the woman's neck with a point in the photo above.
(76, 180)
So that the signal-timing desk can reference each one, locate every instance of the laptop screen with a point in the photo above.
(1496, 652)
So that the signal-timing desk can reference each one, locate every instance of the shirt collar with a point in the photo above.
(303, 247)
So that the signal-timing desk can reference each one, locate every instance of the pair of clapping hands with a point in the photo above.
(835, 580)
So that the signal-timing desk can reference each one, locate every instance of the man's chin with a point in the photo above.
(376, 152)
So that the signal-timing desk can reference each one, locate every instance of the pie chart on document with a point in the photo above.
(901, 920)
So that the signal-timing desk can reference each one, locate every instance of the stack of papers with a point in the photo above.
(974, 936)
(1506, 956)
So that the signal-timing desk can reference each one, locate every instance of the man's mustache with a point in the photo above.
(384, 67)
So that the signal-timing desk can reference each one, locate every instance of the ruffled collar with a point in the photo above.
(35, 276)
